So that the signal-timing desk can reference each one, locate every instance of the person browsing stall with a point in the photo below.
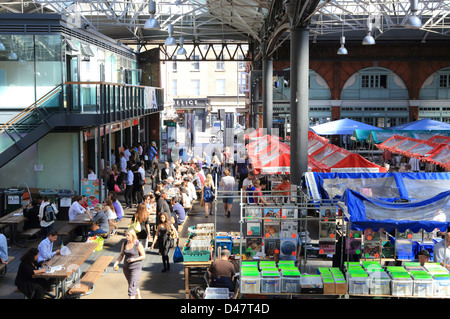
(424, 257)
(221, 272)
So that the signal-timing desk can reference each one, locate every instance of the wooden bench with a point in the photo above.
(67, 230)
(30, 233)
(90, 277)
(3, 267)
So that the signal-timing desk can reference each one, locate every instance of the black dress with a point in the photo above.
(164, 240)
(33, 288)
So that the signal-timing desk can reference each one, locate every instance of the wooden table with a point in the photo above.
(84, 221)
(203, 267)
(14, 219)
(70, 264)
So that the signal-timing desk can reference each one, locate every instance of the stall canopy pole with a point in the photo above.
(268, 94)
(299, 104)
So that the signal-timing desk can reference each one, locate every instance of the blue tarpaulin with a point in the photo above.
(384, 186)
(364, 212)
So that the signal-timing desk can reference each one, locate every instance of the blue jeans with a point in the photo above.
(95, 232)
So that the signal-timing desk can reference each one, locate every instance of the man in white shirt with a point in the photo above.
(440, 249)
(76, 208)
(46, 226)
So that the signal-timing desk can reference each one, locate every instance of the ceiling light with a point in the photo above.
(413, 20)
(170, 40)
(181, 50)
(368, 39)
(152, 23)
(342, 50)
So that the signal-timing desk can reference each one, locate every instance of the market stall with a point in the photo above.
(385, 186)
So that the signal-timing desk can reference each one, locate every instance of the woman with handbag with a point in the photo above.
(165, 235)
(142, 218)
(132, 253)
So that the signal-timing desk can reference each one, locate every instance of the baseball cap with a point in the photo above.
(424, 252)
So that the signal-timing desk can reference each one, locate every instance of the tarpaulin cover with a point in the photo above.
(385, 186)
(342, 127)
(365, 212)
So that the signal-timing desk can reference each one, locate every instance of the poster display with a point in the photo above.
(90, 188)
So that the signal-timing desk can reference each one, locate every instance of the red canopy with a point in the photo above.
(410, 147)
(425, 150)
(441, 157)
(336, 159)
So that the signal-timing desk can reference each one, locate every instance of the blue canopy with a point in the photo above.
(341, 127)
(364, 212)
(425, 124)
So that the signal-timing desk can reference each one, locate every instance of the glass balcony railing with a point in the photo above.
(110, 100)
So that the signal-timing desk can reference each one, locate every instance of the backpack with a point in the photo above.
(49, 213)
(207, 194)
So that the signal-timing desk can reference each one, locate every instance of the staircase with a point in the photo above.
(30, 125)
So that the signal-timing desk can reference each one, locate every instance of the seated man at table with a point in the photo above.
(100, 220)
(46, 247)
(76, 208)
(221, 272)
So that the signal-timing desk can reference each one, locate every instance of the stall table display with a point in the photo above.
(365, 278)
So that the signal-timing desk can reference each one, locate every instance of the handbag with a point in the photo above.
(117, 188)
(136, 226)
(177, 255)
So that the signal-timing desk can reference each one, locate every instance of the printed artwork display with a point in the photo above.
(254, 245)
(90, 188)
(328, 212)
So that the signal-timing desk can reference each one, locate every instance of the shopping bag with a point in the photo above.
(96, 239)
(177, 255)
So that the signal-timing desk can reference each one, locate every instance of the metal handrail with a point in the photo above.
(32, 107)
